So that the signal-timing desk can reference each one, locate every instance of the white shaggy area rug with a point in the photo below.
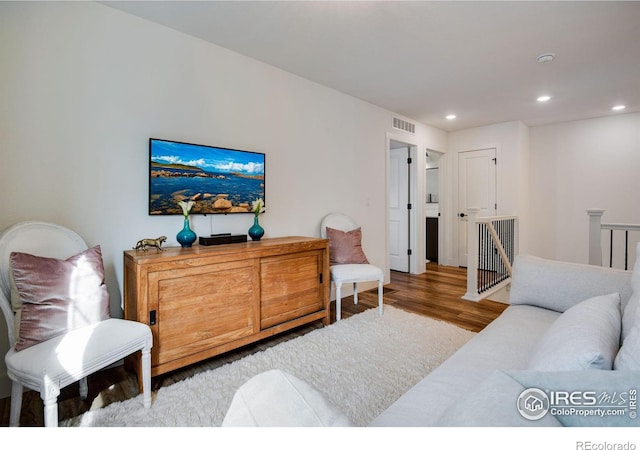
(362, 364)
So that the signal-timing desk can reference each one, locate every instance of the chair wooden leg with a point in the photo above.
(338, 300)
(146, 376)
(16, 404)
(380, 295)
(355, 293)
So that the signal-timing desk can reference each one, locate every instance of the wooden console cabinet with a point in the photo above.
(206, 300)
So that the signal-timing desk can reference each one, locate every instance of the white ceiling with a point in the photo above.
(427, 59)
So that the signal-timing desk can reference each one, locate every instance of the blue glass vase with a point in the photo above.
(186, 236)
(256, 231)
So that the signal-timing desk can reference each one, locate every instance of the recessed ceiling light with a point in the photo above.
(545, 58)
(618, 107)
(451, 116)
(544, 98)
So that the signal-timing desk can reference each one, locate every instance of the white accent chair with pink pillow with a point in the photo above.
(57, 316)
(348, 262)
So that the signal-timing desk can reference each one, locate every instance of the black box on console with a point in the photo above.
(226, 238)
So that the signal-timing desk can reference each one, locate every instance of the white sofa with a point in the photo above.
(571, 329)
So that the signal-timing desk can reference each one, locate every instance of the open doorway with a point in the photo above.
(401, 199)
(432, 193)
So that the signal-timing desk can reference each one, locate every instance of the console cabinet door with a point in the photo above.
(202, 307)
(291, 287)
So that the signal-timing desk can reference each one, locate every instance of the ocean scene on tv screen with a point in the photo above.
(218, 180)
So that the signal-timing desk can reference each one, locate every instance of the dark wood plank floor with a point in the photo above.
(436, 293)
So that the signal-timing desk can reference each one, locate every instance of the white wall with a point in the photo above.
(511, 141)
(579, 165)
(550, 175)
(83, 87)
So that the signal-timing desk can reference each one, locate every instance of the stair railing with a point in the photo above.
(595, 237)
(492, 243)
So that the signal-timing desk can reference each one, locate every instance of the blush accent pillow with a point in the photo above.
(586, 336)
(58, 295)
(16, 305)
(345, 247)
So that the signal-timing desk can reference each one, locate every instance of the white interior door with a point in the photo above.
(476, 188)
(398, 210)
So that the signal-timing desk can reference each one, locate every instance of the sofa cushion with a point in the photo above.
(586, 336)
(629, 355)
(496, 401)
(628, 358)
(278, 399)
(58, 295)
(629, 313)
(560, 285)
(492, 403)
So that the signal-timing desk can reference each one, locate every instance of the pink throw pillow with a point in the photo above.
(58, 295)
(345, 247)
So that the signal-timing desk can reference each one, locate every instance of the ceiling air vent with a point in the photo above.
(403, 125)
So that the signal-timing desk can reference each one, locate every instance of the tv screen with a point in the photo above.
(218, 180)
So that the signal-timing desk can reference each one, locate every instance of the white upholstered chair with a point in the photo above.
(53, 364)
(350, 273)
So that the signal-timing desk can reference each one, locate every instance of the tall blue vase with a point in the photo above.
(256, 231)
(186, 236)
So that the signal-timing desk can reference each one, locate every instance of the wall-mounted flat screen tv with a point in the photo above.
(218, 180)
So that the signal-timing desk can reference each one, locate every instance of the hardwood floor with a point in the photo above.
(436, 293)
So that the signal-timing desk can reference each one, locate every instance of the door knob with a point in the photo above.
(462, 215)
